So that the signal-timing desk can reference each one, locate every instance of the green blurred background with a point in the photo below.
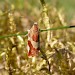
(29, 5)
(21, 18)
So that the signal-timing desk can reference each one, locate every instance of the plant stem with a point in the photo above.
(10, 35)
(41, 30)
(42, 2)
(62, 27)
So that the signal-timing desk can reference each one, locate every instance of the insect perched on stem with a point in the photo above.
(33, 40)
